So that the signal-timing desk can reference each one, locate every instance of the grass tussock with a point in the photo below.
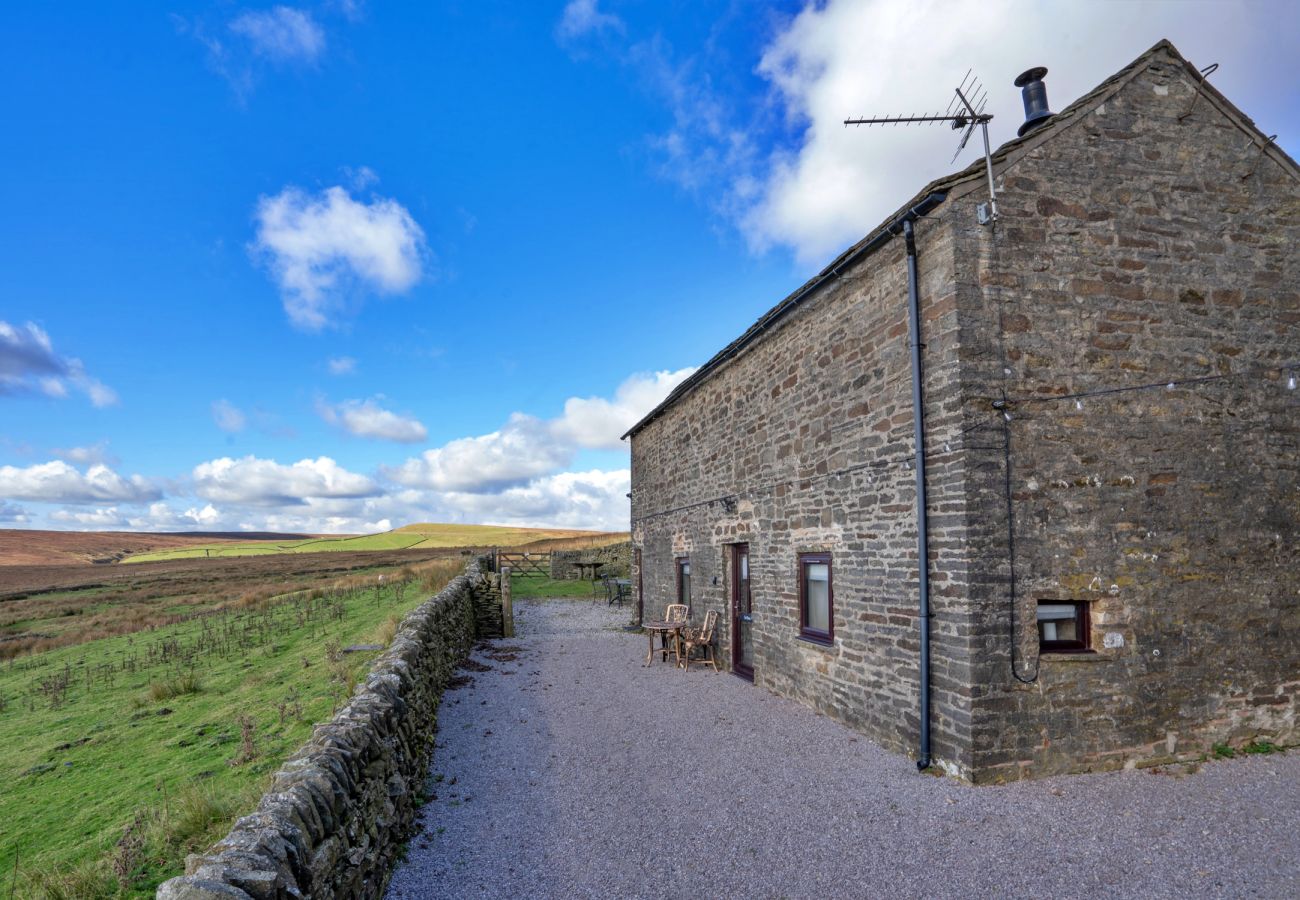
(385, 633)
(178, 686)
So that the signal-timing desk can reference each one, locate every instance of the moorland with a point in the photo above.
(144, 706)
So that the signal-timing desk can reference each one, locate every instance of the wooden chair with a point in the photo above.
(677, 613)
(701, 637)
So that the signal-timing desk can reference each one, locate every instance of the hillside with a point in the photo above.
(29, 547)
(420, 536)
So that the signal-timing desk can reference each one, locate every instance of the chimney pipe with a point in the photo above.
(1034, 93)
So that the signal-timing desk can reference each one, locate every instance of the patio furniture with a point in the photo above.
(667, 629)
(606, 585)
(702, 637)
(588, 568)
(621, 589)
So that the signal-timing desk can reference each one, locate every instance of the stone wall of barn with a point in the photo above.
(1151, 241)
(798, 445)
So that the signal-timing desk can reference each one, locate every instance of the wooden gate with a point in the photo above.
(526, 565)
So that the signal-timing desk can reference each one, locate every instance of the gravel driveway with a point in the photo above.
(566, 769)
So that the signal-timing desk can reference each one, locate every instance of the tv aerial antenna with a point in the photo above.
(964, 112)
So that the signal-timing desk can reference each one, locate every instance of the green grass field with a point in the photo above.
(529, 588)
(426, 535)
(122, 755)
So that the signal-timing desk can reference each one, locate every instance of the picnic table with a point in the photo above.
(666, 629)
(586, 568)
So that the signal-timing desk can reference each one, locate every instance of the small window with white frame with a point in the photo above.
(1063, 626)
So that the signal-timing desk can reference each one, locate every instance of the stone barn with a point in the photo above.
(1080, 411)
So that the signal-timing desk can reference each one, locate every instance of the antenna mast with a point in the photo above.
(965, 111)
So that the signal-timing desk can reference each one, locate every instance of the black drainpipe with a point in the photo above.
(922, 516)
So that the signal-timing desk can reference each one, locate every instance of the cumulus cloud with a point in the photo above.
(29, 365)
(58, 482)
(527, 447)
(523, 448)
(780, 166)
(251, 481)
(108, 517)
(367, 419)
(342, 365)
(162, 517)
(12, 514)
(228, 417)
(594, 499)
(584, 17)
(84, 456)
(281, 34)
(323, 247)
(599, 423)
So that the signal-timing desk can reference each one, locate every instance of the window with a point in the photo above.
(684, 582)
(816, 607)
(1062, 627)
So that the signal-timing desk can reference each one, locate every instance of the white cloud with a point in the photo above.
(28, 364)
(583, 17)
(108, 517)
(367, 419)
(162, 517)
(322, 246)
(58, 482)
(13, 514)
(250, 481)
(82, 456)
(599, 423)
(525, 447)
(342, 365)
(228, 417)
(595, 499)
(844, 59)
(783, 169)
(281, 34)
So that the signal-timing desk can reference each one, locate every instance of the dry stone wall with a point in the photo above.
(339, 809)
(616, 560)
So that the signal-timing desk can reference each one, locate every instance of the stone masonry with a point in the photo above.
(617, 560)
(1147, 237)
(338, 809)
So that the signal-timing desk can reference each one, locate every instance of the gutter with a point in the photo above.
(922, 516)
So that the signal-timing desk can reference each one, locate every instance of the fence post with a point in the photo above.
(507, 606)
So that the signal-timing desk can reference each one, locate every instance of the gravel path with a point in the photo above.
(568, 770)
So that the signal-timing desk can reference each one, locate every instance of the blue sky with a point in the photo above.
(339, 266)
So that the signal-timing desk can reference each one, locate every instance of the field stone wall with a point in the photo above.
(339, 809)
(617, 559)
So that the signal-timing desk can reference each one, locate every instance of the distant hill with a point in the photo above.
(423, 536)
(28, 547)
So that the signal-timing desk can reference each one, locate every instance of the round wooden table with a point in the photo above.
(664, 628)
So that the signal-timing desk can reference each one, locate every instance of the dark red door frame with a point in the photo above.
(738, 667)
